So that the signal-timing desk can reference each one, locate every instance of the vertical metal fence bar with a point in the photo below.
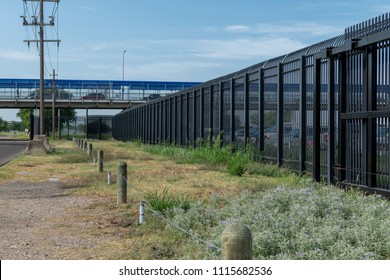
(150, 121)
(232, 111)
(372, 106)
(280, 114)
(211, 112)
(179, 119)
(246, 110)
(331, 121)
(172, 120)
(144, 124)
(194, 116)
(342, 110)
(166, 123)
(303, 114)
(187, 114)
(317, 120)
(153, 119)
(221, 109)
(201, 111)
(146, 128)
(261, 110)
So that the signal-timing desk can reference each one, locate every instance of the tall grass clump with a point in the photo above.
(310, 222)
(209, 152)
(164, 201)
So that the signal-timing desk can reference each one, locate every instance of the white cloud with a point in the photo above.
(304, 28)
(381, 9)
(212, 28)
(87, 8)
(257, 49)
(31, 55)
(307, 28)
(101, 46)
(237, 28)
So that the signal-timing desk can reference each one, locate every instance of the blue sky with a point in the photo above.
(171, 40)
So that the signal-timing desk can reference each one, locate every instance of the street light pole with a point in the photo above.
(123, 66)
(123, 72)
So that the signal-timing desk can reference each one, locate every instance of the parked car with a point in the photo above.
(93, 96)
(253, 134)
(152, 96)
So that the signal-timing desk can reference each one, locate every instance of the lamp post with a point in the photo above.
(123, 72)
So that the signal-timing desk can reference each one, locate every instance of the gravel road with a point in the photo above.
(40, 221)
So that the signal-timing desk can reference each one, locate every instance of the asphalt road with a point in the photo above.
(10, 149)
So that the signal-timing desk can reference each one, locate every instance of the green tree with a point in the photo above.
(3, 125)
(67, 115)
(15, 126)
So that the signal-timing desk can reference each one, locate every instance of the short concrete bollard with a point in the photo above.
(108, 178)
(141, 212)
(236, 242)
(85, 146)
(122, 182)
(100, 156)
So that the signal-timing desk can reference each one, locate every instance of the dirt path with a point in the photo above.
(41, 221)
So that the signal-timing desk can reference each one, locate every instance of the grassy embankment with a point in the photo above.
(203, 190)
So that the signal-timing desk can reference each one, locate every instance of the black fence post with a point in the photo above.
(317, 119)
(371, 99)
(211, 114)
(175, 117)
(342, 110)
(232, 111)
(303, 115)
(221, 105)
(194, 116)
(246, 110)
(261, 110)
(331, 121)
(280, 115)
(201, 111)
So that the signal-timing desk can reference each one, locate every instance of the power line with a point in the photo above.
(34, 22)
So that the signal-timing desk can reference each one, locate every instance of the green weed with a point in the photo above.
(164, 201)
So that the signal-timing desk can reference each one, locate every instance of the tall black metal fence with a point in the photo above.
(91, 127)
(323, 110)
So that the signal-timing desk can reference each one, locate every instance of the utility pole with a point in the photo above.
(41, 42)
(53, 106)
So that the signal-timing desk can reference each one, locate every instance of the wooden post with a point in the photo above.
(122, 182)
(89, 151)
(236, 242)
(100, 155)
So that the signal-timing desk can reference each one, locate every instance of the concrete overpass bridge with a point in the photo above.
(85, 94)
